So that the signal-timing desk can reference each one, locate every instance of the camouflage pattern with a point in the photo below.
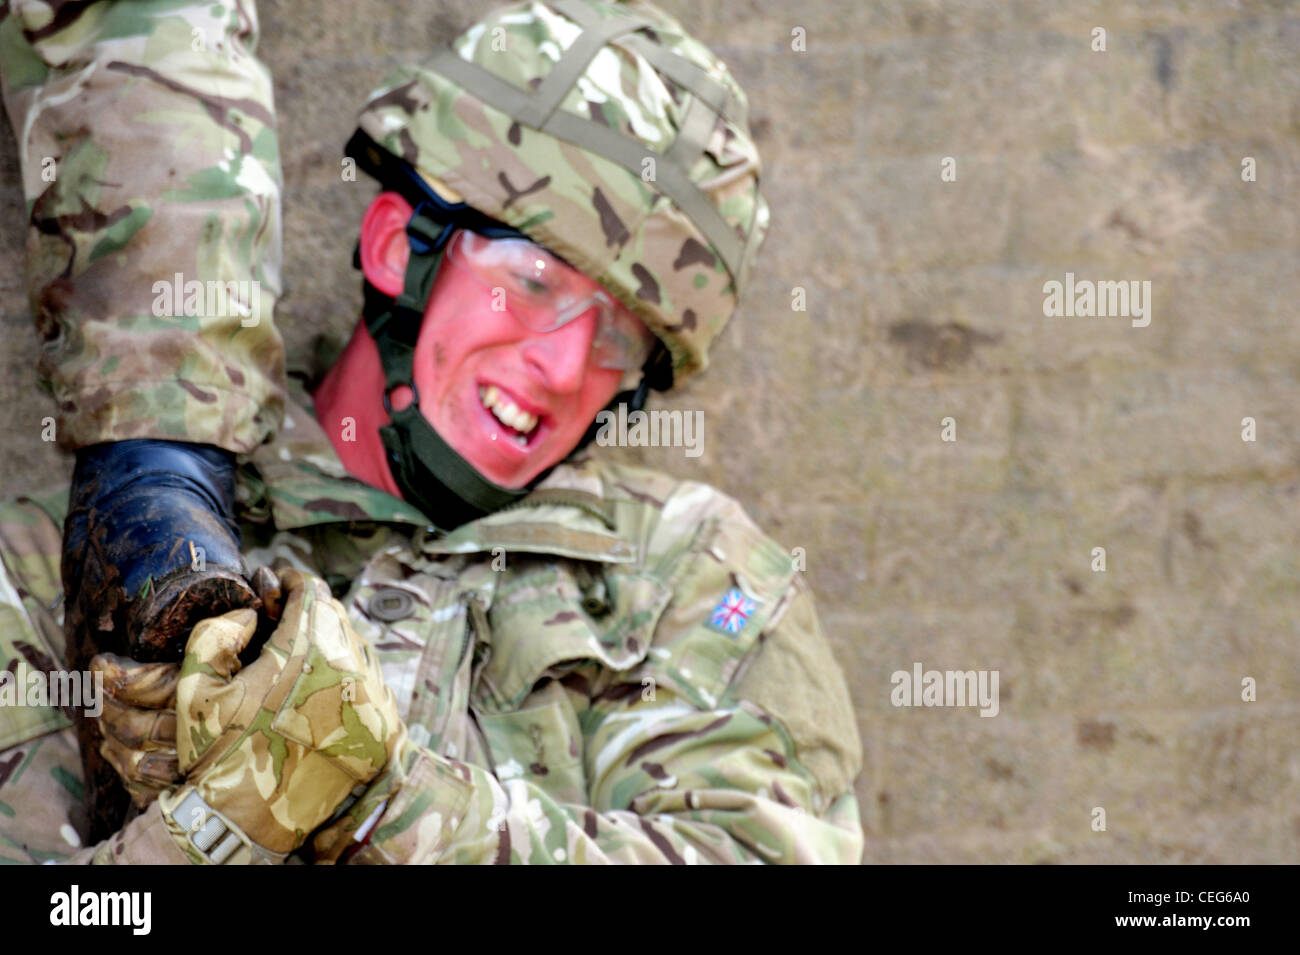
(147, 140)
(278, 745)
(564, 695)
(614, 223)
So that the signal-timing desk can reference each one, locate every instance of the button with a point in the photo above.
(389, 604)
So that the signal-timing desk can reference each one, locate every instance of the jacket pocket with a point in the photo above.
(552, 613)
(541, 744)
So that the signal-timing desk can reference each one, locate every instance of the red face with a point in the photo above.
(510, 400)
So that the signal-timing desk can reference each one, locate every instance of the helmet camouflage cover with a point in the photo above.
(606, 134)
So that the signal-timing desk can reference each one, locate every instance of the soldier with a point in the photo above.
(529, 655)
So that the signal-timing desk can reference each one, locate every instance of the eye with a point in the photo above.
(530, 284)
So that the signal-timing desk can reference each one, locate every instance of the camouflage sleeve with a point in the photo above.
(719, 791)
(148, 839)
(40, 799)
(40, 764)
(151, 173)
(729, 744)
(41, 804)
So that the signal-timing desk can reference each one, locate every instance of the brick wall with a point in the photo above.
(1120, 690)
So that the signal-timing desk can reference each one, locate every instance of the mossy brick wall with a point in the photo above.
(1119, 690)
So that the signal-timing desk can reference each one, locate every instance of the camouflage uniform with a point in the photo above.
(620, 667)
(559, 664)
(146, 133)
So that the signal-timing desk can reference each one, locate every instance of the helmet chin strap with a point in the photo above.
(428, 471)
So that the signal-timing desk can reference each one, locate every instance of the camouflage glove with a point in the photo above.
(271, 750)
(139, 724)
(351, 831)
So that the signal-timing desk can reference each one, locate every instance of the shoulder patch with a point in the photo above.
(732, 612)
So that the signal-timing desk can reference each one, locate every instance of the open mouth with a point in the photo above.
(521, 426)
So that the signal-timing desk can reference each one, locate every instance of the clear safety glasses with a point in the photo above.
(534, 287)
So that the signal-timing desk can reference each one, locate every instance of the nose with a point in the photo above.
(560, 357)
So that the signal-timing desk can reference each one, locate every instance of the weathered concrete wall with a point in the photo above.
(1119, 690)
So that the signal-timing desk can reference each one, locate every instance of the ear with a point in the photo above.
(384, 246)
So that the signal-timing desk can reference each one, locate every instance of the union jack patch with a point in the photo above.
(732, 612)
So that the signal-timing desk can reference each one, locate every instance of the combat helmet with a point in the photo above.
(603, 132)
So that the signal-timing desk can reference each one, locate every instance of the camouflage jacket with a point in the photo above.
(621, 668)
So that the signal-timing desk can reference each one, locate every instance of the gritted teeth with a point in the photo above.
(508, 413)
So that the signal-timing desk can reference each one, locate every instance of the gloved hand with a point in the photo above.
(271, 750)
(150, 547)
(138, 724)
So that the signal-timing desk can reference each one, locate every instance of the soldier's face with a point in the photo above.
(510, 400)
